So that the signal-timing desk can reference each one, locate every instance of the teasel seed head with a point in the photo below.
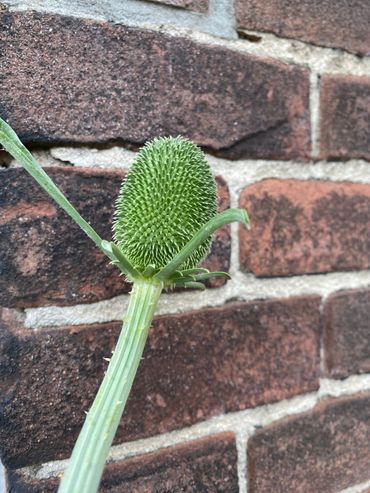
(168, 195)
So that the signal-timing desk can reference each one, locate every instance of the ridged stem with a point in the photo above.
(92, 447)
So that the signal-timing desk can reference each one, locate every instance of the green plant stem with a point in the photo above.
(92, 447)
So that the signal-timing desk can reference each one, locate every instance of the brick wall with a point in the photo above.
(259, 384)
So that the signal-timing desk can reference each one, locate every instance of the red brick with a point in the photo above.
(345, 117)
(195, 5)
(343, 24)
(324, 451)
(218, 258)
(195, 366)
(21, 483)
(302, 227)
(347, 333)
(110, 82)
(47, 259)
(208, 464)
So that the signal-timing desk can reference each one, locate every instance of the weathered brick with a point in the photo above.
(21, 483)
(343, 24)
(302, 227)
(347, 333)
(218, 258)
(47, 259)
(195, 366)
(195, 5)
(68, 79)
(345, 117)
(324, 451)
(208, 464)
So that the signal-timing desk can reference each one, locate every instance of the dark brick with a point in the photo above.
(343, 24)
(347, 333)
(47, 259)
(324, 451)
(208, 464)
(74, 80)
(195, 5)
(195, 366)
(345, 117)
(302, 227)
(21, 483)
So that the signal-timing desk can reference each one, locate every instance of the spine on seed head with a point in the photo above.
(168, 195)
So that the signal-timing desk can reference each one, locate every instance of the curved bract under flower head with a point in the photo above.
(168, 195)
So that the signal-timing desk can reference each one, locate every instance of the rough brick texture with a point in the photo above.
(208, 464)
(229, 102)
(304, 227)
(195, 366)
(345, 117)
(347, 333)
(47, 259)
(340, 24)
(195, 5)
(323, 451)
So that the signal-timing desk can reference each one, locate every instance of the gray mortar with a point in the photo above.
(219, 20)
(316, 58)
(242, 287)
(113, 157)
(360, 488)
(241, 438)
(2, 479)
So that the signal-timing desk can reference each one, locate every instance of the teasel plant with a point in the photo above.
(166, 213)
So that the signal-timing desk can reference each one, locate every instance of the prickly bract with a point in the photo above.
(168, 195)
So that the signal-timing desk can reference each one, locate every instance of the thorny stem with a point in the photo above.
(91, 449)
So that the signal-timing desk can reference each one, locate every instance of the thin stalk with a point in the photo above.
(91, 449)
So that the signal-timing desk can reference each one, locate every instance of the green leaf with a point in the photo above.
(191, 284)
(226, 217)
(149, 271)
(182, 280)
(197, 270)
(209, 275)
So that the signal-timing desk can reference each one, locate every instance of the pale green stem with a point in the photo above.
(92, 447)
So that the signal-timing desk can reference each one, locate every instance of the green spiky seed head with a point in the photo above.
(168, 195)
